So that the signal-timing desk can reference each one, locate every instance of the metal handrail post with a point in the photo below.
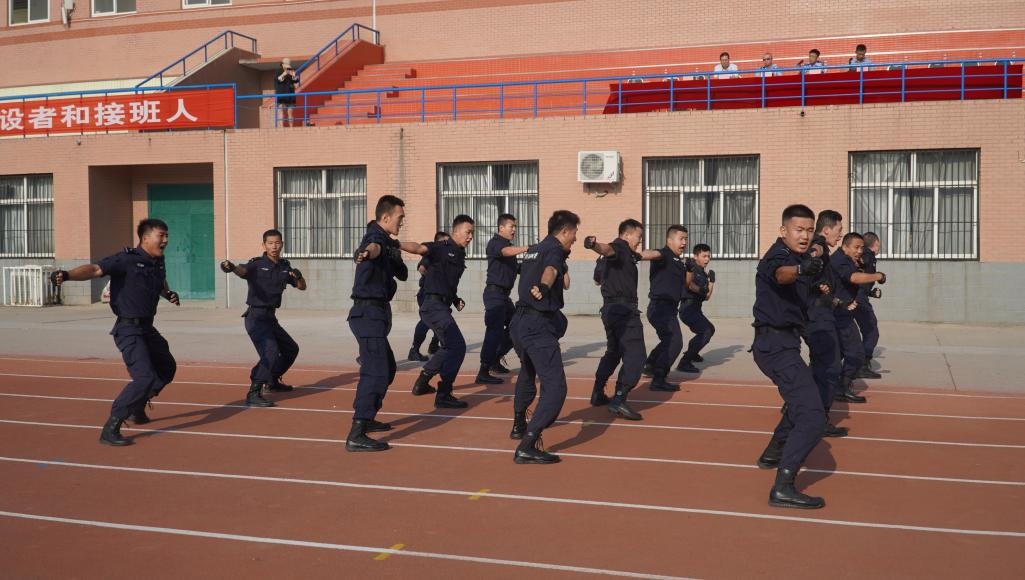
(423, 105)
(861, 85)
(708, 92)
(903, 75)
(584, 92)
(802, 88)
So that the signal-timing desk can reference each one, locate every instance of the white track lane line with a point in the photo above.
(582, 422)
(534, 498)
(509, 395)
(338, 547)
(662, 461)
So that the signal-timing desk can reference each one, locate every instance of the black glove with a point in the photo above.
(841, 303)
(711, 276)
(876, 293)
(882, 277)
(298, 275)
(172, 297)
(809, 267)
(294, 277)
(589, 242)
(545, 290)
(63, 277)
(227, 266)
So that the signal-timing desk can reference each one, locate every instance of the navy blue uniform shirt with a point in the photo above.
(375, 279)
(820, 308)
(843, 267)
(136, 282)
(701, 281)
(777, 305)
(548, 252)
(447, 261)
(868, 261)
(620, 278)
(267, 281)
(667, 276)
(501, 269)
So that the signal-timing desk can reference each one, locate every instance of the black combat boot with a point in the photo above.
(358, 440)
(784, 494)
(499, 368)
(111, 434)
(444, 398)
(374, 426)
(686, 366)
(139, 416)
(832, 430)
(648, 370)
(846, 393)
(866, 372)
(519, 426)
(618, 405)
(772, 454)
(422, 386)
(433, 346)
(659, 383)
(484, 377)
(598, 396)
(415, 356)
(697, 358)
(276, 386)
(531, 450)
(255, 399)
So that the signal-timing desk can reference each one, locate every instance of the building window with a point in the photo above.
(27, 11)
(716, 198)
(26, 216)
(322, 212)
(483, 191)
(921, 204)
(108, 7)
(197, 3)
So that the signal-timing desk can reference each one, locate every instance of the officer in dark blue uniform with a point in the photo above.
(441, 286)
(378, 264)
(620, 316)
(420, 332)
(536, 329)
(498, 307)
(779, 315)
(667, 278)
(849, 278)
(865, 315)
(137, 281)
(267, 276)
(700, 285)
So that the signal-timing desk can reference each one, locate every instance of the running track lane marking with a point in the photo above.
(509, 395)
(412, 373)
(384, 555)
(480, 493)
(537, 498)
(492, 450)
(582, 423)
(329, 546)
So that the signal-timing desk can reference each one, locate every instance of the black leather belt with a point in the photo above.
(370, 302)
(535, 312)
(498, 288)
(619, 300)
(786, 330)
(661, 299)
(143, 321)
(439, 298)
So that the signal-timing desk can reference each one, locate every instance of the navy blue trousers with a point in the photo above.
(703, 329)
(276, 349)
(452, 347)
(661, 315)
(624, 343)
(536, 340)
(498, 313)
(149, 362)
(869, 325)
(371, 326)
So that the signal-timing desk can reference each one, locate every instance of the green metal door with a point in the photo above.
(188, 210)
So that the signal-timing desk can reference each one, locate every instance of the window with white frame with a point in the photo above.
(716, 198)
(108, 7)
(484, 191)
(27, 11)
(322, 211)
(923, 205)
(197, 3)
(26, 216)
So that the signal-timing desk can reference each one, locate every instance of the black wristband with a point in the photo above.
(544, 289)
(64, 276)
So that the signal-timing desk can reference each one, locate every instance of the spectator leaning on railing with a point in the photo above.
(768, 68)
(814, 64)
(859, 60)
(724, 66)
(284, 84)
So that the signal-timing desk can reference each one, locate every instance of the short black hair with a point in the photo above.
(815, 51)
(852, 236)
(860, 48)
(562, 219)
(870, 238)
(505, 218)
(272, 233)
(628, 225)
(797, 211)
(386, 204)
(150, 224)
(461, 219)
(702, 248)
(724, 53)
(827, 219)
(440, 236)
(675, 228)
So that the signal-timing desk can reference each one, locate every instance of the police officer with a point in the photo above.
(137, 281)
(700, 285)
(536, 328)
(779, 314)
(420, 332)
(620, 316)
(267, 276)
(850, 277)
(865, 315)
(447, 261)
(498, 307)
(667, 278)
(378, 264)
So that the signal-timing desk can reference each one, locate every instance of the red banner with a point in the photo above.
(184, 109)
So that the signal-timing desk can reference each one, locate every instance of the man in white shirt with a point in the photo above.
(725, 67)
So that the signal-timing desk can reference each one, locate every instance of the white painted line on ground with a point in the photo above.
(507, 451)
(331, 546)
(536, 498)
(509, 395)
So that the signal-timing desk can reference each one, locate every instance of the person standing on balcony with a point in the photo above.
(724, 67)
(768, 68)
(814, 64)
(859, 60)
(284, 85)
(138, 279)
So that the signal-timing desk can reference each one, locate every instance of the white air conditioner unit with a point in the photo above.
(598, 166)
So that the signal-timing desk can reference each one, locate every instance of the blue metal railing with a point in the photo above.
(793, 86)
(323, 55)
(227, 38)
